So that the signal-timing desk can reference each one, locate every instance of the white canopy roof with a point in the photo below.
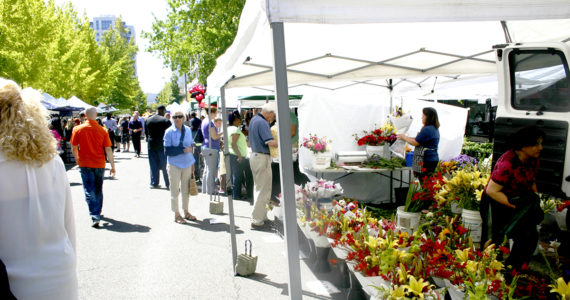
(389, 11)
(76, 102)
(354, 52)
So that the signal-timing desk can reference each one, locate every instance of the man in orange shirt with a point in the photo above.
(88, 141)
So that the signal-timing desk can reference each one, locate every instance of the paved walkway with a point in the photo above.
(141, 253)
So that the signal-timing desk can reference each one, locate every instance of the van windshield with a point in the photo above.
(540, 80)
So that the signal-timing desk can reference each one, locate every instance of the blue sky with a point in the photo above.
(152, 74)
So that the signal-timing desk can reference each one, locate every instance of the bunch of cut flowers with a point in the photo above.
(378, 137)
(465, 187)
(316, 144)
(323, 189)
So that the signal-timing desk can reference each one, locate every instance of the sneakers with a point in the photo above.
(95, 224)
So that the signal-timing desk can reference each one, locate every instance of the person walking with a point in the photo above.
(37, 225)
(260, 139)
(155, 127)
(125, 134)
(426, 143)
(111, 125)
(178, 147)
(136, 128)
(90, 144)
(210, 152)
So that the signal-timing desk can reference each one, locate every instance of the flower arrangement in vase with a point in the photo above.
(465, 187)
(316, 144)
(378, 137)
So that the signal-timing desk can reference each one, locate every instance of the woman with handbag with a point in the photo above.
(178, 147)
(426, 142)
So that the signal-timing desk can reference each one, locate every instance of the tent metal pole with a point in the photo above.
(286, 160)
(228, 171)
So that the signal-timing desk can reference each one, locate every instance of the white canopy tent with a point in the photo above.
(76, 102)
(354, 41)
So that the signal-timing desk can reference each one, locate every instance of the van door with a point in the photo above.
(534, 82)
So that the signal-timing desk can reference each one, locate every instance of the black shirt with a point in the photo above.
(155, 127)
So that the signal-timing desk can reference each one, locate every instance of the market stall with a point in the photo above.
(432, 48)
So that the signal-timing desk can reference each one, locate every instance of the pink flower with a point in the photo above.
(318, 147)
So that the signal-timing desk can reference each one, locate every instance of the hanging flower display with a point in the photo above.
(197, 92)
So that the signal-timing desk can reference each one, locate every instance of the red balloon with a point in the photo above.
(199, 97)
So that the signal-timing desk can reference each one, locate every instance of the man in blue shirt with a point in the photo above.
(260, 139)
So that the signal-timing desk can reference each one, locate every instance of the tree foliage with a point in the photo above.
(194, 34)
(52, 49)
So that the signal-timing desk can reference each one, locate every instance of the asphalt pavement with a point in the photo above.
(141, 253)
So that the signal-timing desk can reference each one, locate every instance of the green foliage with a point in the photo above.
(175, 90)
(194, 34)
(52, 49)
(477, 150)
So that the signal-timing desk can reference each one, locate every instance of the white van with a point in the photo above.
(534, 89)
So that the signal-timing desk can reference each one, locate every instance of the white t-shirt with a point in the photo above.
(37, 230)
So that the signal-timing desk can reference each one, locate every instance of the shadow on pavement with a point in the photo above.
(284, 287)
(205, 225)
(120, 226)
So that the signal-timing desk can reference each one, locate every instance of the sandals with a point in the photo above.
(190, 217)
(180, 220)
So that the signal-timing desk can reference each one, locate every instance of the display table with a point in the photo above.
(346, 171)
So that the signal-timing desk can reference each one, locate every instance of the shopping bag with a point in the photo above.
(193, 186)
(246, 263)
(216, 206)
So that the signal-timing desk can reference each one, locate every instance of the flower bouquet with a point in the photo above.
(320, 147)
(322, 189)
(465, 187)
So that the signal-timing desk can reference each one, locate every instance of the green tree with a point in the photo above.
(175, 95)
(165, 95)
(194, 34)
(52, 49)
(124, 86)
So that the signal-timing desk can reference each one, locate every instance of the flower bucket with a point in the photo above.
(407, 221)
(455, 208)
(322, 160)
(321, 241)
(382, 151)
(561, 219)
(472, 220)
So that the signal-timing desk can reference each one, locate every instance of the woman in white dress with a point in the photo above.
(37, 230)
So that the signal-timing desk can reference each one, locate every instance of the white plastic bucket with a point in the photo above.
(407, 221)
(382, 151)
(472, 220)
(322, 161)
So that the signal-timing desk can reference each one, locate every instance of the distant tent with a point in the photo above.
(76, 102)
(59, 104)
(103, 108)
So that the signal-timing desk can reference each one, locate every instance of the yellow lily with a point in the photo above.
(562, 288)
(462, 255)
(416, 286)
(398, 293)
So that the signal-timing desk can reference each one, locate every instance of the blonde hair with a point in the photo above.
(24, 133)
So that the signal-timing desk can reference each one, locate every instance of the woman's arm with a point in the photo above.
(411, 141)
(213, 133)
(494, 191)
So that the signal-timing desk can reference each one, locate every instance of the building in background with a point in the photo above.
(103, 23)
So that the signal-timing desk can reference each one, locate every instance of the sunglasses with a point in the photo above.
(177, 117)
